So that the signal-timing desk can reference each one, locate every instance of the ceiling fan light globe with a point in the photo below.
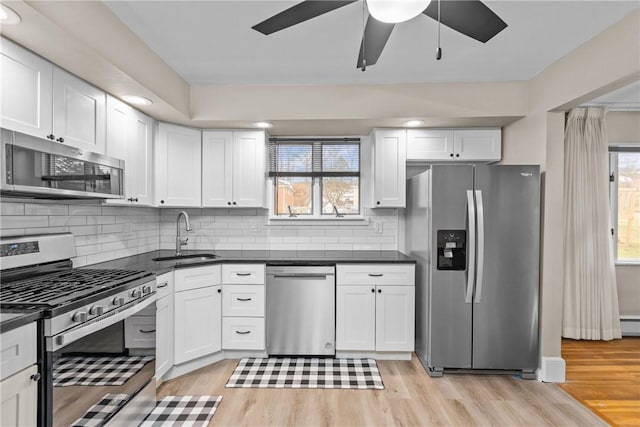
(395, 11)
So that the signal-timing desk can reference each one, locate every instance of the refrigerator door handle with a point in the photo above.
(480, 213)
(471, 270)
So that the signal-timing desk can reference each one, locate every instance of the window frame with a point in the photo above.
(317, 217)
(614, 150)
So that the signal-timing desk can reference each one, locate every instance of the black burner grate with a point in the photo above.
(58, 288)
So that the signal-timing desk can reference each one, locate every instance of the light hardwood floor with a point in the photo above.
(410, 398)
(605, 376)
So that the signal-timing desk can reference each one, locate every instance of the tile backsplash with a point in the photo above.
(105, 232)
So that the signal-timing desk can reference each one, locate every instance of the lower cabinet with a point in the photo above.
(198, 323)
(375, 308)
(164, 335)
(19, 394)
(243, 333)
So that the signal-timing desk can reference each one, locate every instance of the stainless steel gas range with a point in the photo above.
(84, 356)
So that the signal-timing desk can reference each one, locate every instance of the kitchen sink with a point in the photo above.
(185, 259)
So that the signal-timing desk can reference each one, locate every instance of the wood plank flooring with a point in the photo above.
(605, 376)
(410, 398)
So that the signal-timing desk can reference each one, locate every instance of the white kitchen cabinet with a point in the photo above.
(389, 173)
(27, 92)
(178, 166)
(233, 169)
(375, 307)
(130, 138)
(164, 324)
(19, 399)
(446, 145)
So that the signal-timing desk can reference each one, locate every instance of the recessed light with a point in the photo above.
(8, 16)
(414, 123)
(263, 125)
(137, 100)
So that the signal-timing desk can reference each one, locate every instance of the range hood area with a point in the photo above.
(39, 168)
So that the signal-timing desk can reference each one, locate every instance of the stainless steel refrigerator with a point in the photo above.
(475, 231)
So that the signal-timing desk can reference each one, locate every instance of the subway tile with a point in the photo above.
(45, 209)
(55, 221)
(22, 221)
(8, 208)
(13, 232)
(47, 230)
(85, 210)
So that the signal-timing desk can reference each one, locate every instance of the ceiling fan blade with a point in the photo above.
(298, 13)
(469, 17)
(375, 37)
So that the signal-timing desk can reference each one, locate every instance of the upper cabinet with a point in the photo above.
(468, 145)
(43, 100)
(389, 173)
(233, 169)
(130, 137)
(178, 166)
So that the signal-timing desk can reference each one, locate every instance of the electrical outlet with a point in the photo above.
(378, 226)
(253, 227)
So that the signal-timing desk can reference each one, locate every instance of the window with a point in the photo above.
(315, 177)
(625, 202)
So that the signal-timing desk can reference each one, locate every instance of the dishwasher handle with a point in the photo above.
(300, 276)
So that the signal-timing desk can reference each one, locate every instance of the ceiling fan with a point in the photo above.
(469, 17)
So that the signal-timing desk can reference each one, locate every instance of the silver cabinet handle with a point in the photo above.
(150, 331)
(471, 270)
(163, 285)
(376, 275)
(35, 377)
(300, 276)
(243, 299)
(480, 245)
(243, 274)
(243, 332)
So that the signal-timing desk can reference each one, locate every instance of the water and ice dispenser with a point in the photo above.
(452, 252)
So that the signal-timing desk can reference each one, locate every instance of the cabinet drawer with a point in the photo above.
(140, 332)
(243, 333)
(165, 285)
(18, 348)
(243, 274)
(375, 274)
(195, 278)
(243, 300)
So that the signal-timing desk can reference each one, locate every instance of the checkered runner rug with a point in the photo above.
(96, 371)
(306, 373)
(183, 411)
(99, 412)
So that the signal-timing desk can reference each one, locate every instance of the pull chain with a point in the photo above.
(439, 51)
(363, 66)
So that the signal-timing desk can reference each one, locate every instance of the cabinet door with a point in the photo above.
(217, 166)
(19, 394)
(164, 335)
(429, 145)
(478, 144)
(141, 155)
(395, 318)
(26, 88)
(79, 112)
(119, 141)
(389, 186)
(248, 169)
(198, 323)
(355, 318)
(178, 165)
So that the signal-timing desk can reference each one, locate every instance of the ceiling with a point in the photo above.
(211, 42)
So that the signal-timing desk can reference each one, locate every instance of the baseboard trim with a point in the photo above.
(553, 370)
(377, 355)
(630, 326)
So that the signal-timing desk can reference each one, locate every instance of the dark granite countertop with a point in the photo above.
(13, 319)
(145, 261)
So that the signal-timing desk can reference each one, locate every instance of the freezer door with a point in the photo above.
(505, 309)
(449, 315)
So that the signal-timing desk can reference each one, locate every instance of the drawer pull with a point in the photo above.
(243, 274)
(35, 377)
(150, 331)
(243, 299)
(375, 275)
(163, 285)
(243, 332)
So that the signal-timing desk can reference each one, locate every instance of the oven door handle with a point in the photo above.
(65, 338)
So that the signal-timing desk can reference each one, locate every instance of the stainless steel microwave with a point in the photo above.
(36, 167)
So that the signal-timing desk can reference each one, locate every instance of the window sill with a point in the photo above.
(351, 220)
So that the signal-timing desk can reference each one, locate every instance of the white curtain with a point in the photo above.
(590, 308)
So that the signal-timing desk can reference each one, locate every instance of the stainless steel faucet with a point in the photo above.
(180, 242)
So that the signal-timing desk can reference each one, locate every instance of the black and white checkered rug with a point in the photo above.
(306, 373)
(183, 411)
(96, 371)
(99, 412)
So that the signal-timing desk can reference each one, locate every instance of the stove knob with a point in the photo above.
(136, 293)
(96, 310)
(118, 301)
(80, 316)
(146, 289)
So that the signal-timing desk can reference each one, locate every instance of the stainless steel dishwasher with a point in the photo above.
(300, 316)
